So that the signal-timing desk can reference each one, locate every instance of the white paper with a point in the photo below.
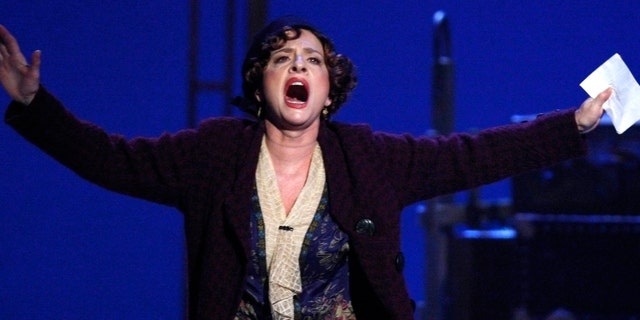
(623, 107)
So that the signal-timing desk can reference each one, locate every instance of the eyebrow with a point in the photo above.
(289, 50)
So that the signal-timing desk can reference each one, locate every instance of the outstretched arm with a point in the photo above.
(19, 79)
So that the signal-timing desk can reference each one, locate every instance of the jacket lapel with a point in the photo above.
(365, 208)
(340, 187)
(237, 202)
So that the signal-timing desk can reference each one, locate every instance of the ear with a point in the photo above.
(327, 102)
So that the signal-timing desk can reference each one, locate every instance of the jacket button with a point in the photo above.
(399, 262)
(365, 226)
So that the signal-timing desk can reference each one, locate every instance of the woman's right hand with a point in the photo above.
(19, 79)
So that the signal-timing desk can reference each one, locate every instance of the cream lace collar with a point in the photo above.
(284, 234)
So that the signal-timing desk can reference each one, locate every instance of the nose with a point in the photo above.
(298, 65)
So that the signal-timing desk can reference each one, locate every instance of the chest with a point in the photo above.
(290, 186)
(324, 268)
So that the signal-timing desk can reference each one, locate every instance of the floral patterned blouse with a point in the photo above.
(323, 264)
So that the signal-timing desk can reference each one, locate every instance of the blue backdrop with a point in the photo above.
(70, 250)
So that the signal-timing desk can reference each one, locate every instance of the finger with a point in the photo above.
(4, 54)
(36, 59)
(603, 96)
(5, 35)
(8, 40)
(35, 62)
(3, 31)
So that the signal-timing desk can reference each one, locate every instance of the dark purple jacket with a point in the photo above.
(208, 174)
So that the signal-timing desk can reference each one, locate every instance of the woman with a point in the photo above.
(290, 215)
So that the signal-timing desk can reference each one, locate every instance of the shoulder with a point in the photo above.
(364, 136)
(361, 141)
(358, 132)
(214, 130)
(228, 125)
(226, 130)
(217, 137)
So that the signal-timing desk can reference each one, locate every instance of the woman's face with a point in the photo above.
(296, 83)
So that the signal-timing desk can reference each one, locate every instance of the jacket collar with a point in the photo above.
(237, 201)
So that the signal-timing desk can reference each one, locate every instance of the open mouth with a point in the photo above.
(296, 91)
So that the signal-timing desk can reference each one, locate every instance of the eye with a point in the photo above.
(280, 59)
(315, 60)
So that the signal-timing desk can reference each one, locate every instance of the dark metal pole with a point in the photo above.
(258, 13)
(443, 76)
(442, 210)
(192, 81)
(230, 58)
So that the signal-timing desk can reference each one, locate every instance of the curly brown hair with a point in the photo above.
(342, 73)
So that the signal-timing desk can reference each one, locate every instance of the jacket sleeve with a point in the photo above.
(151, 168)
(425, 167)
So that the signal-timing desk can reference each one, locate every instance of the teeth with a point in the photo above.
(297, 83)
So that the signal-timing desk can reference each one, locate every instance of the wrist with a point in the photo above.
(27, 98)
(582, 126)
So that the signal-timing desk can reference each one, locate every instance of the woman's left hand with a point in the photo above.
(19, 79)
(589, 114)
